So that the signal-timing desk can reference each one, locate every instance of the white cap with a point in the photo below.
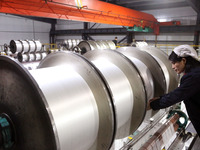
(185, 50)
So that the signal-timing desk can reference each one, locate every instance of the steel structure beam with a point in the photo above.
(179, 29)
(84, 35)
(149, 4)
(195, 4)
(163, 29)
(157, 6)
(41, 19)
(53, 29)
(130, 37)
(91, 31)
(123, 39)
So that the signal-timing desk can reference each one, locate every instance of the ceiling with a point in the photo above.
(143, 5)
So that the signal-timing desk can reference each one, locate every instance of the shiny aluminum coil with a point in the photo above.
(126, 88)
(38, 56)
(16, 46)
(106, 44)
(86, 46)
(38, 45)
(58, 106)
(79, 105)
(22, 57)
(71, 43)
(74, 43)
(162, 58)
(156, 74)
(24, 46)
(76, 49)
(44, 54)
(23, 101)
(102, 45)
(68, 44)
(32, 46)
(32, 57)
(111, 45)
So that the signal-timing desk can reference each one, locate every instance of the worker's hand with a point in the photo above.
(148, 103)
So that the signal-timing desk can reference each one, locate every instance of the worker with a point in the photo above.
(184, 60)
(115, 41)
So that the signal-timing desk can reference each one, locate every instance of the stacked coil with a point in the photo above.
(27, 50)
(23, 46)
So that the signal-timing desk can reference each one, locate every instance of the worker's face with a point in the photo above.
(179, 67)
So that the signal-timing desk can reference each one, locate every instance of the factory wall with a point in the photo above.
(186, 15)
(19, 28)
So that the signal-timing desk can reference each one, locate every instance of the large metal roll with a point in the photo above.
(88, 46)
(102, 44)
(111, 45)
(79, 105)
(74, 43)
(126, 87)
(58, 106)
(24, 103)
(156, 74)
(69, 44)
(106, 44)
(162, 58)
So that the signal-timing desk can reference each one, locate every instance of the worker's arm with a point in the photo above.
(190, 85)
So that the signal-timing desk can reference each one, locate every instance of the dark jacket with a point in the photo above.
(189, 92)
